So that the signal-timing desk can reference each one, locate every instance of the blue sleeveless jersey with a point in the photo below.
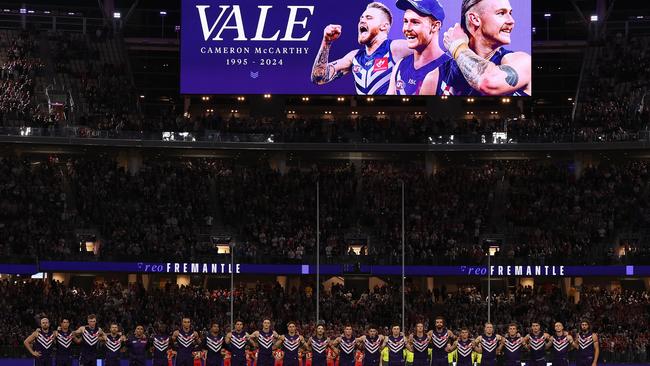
(89, 340)
(408, 79)
(560, 348)
(64, 344)
(290, 347)
(512, 349)
(489, 345)
(238, 342)
(265, 341)
(440, 341)
(185, 343)
(465, 349)
(44, 344)
(420, 348)
(456, 84)
(586, 350)
(537, 346)
(160, 347)
(213, 344)
(319, 351)
(347, 347)
(137, 348)
(372, 72)
(371, 351)
(113, 345)
(396, 349)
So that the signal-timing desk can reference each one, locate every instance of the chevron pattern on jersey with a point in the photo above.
(161, 344)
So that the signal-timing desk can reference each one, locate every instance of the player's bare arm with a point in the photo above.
(392, 87)
(513, 74)
(324, 71)
(399, 48)
(430, 83)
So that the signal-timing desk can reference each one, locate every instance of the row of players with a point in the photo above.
(427, 348)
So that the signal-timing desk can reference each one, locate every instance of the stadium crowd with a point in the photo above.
(619, 316)
(540, 211)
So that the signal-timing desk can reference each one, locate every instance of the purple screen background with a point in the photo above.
(209, 74)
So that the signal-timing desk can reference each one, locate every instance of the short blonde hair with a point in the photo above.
(383, 8)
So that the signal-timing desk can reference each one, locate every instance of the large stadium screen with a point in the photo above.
(356, 47)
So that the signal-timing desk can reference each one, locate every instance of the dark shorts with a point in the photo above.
(370, 362)
(561, 362)
(158, 362)
(420, 363)
(289, 362)
(395, 363)
(440, 361)
(88, 361)
(137, 362)
(214, 361)
(582, 361)
(44, 361)
(538, 362)
(112, 362)
(184, 361)
(63, 361)
(491, 362)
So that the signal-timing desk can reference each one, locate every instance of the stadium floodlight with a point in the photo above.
(23, 11)
(163, 13)
(547, 15)
(117, 15)
(594, 18)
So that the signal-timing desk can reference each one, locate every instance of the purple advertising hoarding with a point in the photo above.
(244, 47)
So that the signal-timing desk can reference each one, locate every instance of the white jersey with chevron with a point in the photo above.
(372, 72)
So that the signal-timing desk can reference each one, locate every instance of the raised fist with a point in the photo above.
(331, 33)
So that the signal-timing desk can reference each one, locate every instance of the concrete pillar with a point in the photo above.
(646, 282)
(133, 278)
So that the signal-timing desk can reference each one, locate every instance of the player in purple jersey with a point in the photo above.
(560, 345)
(419, 73)
(290, 344)
(186, 340)
(88, 338)
(511, 346)
(161, 344)
(64, 338)
(318, 344)
(487, 344)
(345, 347)
(396, 342)
(137, 346)
(113, 345)
(419, 344)
(371, 65)
(587, 345)
(213, 346)
(237, 341)
(264, 339)
(482, 66)
(371, 345)
(40, 344)
(535, 342)
(464, 346)
(441, 337)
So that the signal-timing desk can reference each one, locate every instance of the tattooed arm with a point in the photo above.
(324, 71)
(513, 74)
